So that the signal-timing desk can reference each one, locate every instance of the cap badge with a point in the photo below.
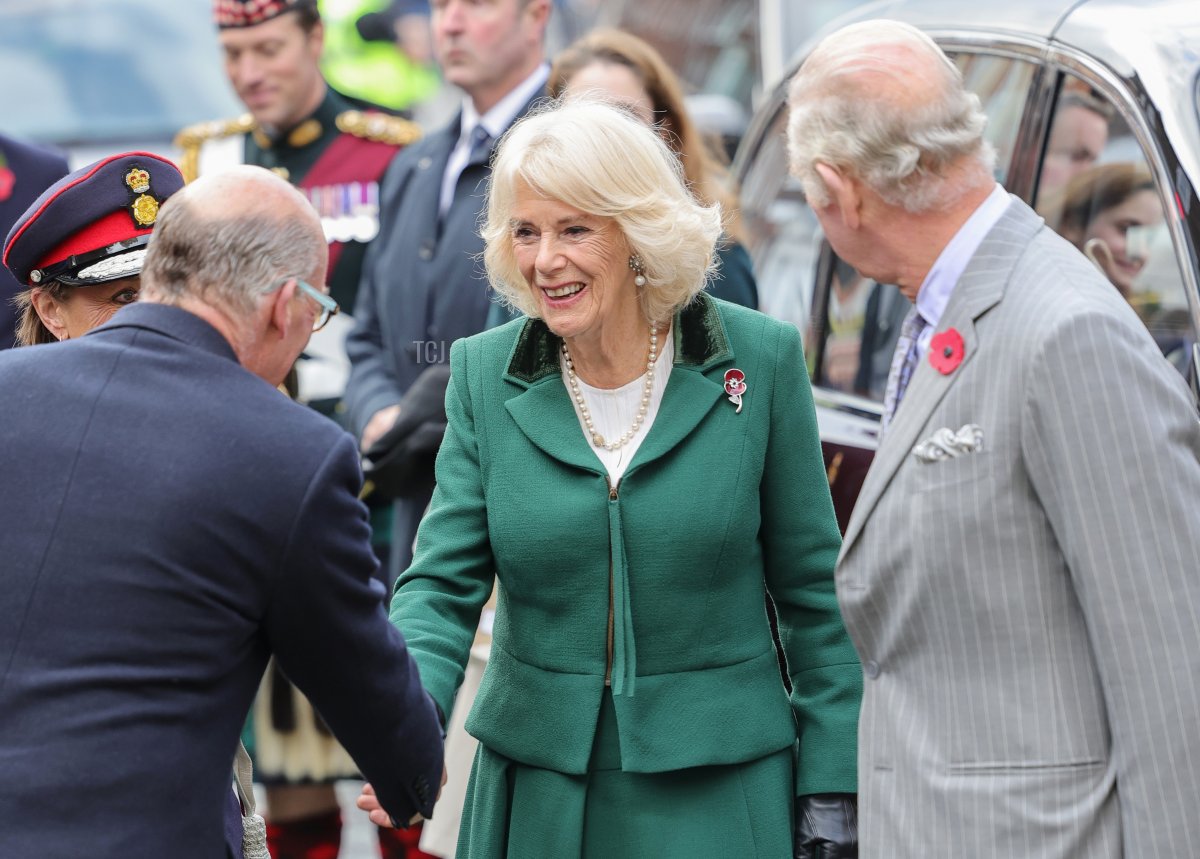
(138, 180)
(144, 210)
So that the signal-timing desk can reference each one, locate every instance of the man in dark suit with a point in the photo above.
(423, 283)
(25, 172)
(172, 520)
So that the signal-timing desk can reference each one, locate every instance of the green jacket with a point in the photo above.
(714, 506)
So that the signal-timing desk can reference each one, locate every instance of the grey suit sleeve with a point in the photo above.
(327, 626)
(1112, 442)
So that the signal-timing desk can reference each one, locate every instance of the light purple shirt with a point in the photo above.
(935, 292)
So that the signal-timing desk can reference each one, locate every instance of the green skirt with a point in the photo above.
(522, 812)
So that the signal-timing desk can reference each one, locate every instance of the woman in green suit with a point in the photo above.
(632, 466)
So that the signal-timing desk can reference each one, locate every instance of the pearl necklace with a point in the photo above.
(597, 439)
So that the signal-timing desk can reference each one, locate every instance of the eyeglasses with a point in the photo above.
(329, 307)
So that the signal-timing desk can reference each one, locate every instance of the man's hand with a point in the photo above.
(379, 423)
(369, 802)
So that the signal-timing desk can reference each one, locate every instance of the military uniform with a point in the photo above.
(336, 158)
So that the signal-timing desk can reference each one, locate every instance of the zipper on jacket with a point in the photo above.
(612, 497)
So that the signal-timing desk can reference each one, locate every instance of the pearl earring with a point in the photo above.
(635, 263)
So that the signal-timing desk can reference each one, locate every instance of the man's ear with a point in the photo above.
(844, 192)
(280, 307)
(316, 40)
(51, 311)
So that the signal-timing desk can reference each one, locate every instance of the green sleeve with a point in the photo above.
(438, 599)
(800, 546)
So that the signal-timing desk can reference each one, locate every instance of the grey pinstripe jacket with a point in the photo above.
(1027, 615)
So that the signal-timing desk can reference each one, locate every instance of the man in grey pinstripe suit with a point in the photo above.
(1021, 575)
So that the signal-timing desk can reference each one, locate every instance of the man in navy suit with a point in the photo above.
(25, 172)
(172, 520)
(423, 283)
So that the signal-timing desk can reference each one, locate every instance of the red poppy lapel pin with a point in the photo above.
(735, 386)
(946, 351)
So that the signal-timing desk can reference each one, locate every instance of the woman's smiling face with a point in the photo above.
(576, 264)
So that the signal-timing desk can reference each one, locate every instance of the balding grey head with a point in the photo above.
(226, 239)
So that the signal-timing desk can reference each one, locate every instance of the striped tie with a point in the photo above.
(904, 362)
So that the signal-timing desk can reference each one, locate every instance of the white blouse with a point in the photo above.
(613, 410)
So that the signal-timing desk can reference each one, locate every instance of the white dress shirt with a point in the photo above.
(496, 121)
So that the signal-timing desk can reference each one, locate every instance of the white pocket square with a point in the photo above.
(947, 444)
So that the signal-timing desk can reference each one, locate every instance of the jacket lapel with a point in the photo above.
(544, 413)
(700, 344)
(979, 289)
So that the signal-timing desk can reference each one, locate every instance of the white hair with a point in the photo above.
(597, 157)
(881, 101)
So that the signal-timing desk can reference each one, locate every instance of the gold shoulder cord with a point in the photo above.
(379, 127)
(191, 139)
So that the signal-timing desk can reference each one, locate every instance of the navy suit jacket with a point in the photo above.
(34, 170)
(423, 287)
(170, 521)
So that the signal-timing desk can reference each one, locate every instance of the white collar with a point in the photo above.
(501, 115)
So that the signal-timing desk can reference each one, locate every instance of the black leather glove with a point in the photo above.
(827, 826)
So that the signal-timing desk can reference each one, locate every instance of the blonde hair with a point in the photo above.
(595, 156)
(704, 165)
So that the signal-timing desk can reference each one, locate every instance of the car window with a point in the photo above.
(128, 70)
(1002, 85)
(784, 238)
(1096, 188)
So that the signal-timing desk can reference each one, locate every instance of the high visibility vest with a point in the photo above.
(377, 72)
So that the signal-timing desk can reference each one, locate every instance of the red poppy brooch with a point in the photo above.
(946, 351)
(735, 386)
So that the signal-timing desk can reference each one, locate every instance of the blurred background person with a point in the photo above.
(1077, 136)
(423, 285)
(310, 134)
(1107, 212)
(626, 709)
(25, 171)
(629, 70)
(379, 54)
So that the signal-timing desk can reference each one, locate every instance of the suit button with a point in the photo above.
(871, 668)
(425, 252)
